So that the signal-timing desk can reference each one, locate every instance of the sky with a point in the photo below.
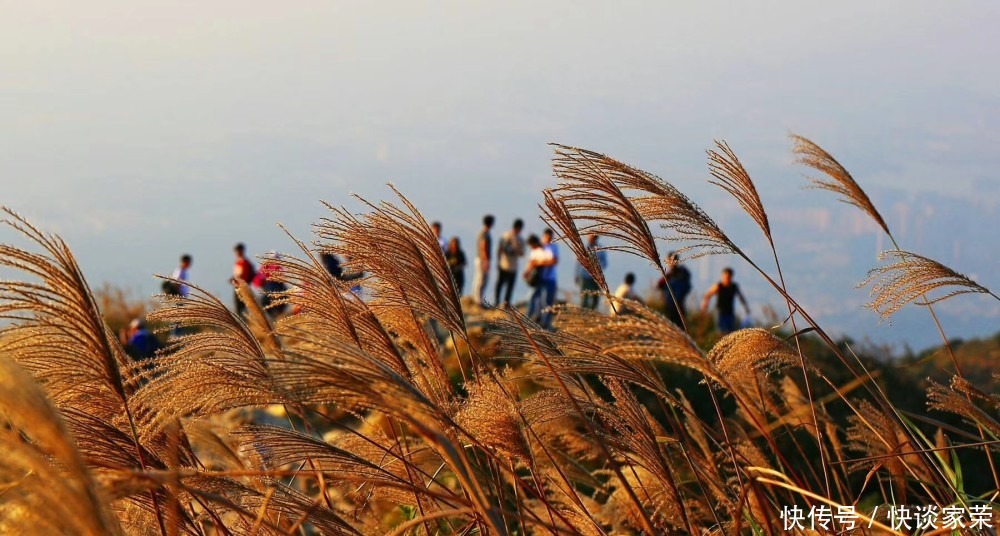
(139, 131)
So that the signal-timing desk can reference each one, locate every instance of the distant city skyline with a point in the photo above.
(142, 131)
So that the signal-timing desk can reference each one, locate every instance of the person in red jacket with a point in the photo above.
(243, 270)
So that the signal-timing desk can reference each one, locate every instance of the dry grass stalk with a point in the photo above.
(557, 214)
(878, 436)
(57, 331)
(750, 351)
(636, 436)
(44, 483)
(398, 245)
(912, 276)
(220, 367)
(642, 335)
(839, 182)
(959, 399)
(620, 201)
(731, 176)
(492, 419)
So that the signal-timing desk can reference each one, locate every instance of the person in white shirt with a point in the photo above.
(181, 274)
(624, 293)
(436, 227)
(544, 257)
(538, 259)
(179, 289)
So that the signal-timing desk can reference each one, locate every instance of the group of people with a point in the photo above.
(540, 273)
(542, 276)
(675, 288)
(265, 279)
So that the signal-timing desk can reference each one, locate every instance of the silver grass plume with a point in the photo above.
(912, 276)
(838, 181)
(619, 201)
(730, 175)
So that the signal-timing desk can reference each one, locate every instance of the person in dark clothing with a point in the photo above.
(726, 292)
(456, 262)
(333, 266)
(509, 251)
(677, 285)
(589, 289)
(484, 255)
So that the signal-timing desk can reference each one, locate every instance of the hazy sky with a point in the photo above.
(139, 131)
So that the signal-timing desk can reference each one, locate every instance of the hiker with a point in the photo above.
(588, 286)
(537, 257)
(484, 245)
(677, 285)
(726, 292)
(180, 274)
(456, 262)
(436, 227)
(624, 293)
(139, 342)
(267, 281)
(335, 268)
(544, 258)
(243, 270)
(509, 250)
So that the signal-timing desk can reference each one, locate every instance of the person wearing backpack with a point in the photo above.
(243, 270)
(679, 282)
(510, 249)
(180, 275)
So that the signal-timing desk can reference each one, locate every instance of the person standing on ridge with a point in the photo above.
(538, 257)
(436, 228)
(509, 250)
(243, 270)
(456, 263)
(588, 286)
(545, 258)
(726, 291)
(484, 247)
(624, 294)
(678, 285)
(335, 268)
(178, 287)
(180, 274)
(139, 342)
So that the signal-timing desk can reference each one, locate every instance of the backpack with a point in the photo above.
(170, 288)
(251, 272)
(681, 283)
(534, 277)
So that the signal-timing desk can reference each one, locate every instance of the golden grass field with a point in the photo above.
(353, 417)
